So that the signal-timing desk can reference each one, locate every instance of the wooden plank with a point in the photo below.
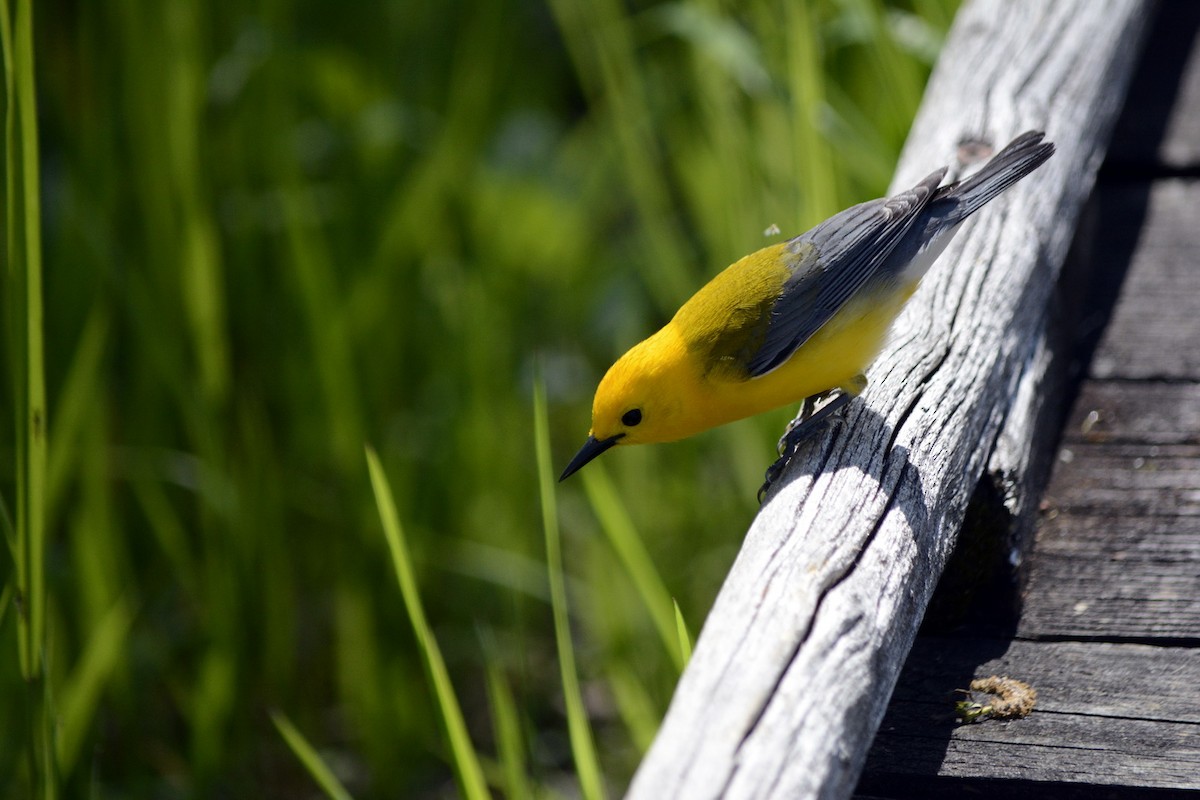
(1084, 592)
(1118, 548)
(903, 787)
(1107, 714)
(1104, 679)
(1126, 480)
(1165, 134)
(1154, 330)
(997, 533)
(1074, 749)
(1149, 413)
(781, 696)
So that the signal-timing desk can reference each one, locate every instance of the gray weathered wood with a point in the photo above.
(1151, 335)
(1020, 462)
(1115, 580)
(1155, 413)
(805, 640)
(1118, 551)
(1165, 136)
(1106, 714)
(1130, 480)
(1118, 546)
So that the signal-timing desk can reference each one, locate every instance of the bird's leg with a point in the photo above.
(807, 421)
(799, 429)
(807, 407)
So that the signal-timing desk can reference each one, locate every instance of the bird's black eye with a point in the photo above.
(631, 417)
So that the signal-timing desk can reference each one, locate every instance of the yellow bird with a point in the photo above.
(795, 321)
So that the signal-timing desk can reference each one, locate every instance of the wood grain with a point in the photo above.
(1151, 334)
(1118, 546)
(789, 677)
(1147, 413)
(1106, 714)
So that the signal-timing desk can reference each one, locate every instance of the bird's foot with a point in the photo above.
(806, 423)
(807, 409)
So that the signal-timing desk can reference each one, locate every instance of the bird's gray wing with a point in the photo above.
(832, 262)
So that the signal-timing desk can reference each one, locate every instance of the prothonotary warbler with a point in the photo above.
(795, 321)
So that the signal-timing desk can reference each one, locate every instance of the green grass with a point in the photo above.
(242, 240)
(579, 729)
(467, 771)
(23, 308)
(310, 758)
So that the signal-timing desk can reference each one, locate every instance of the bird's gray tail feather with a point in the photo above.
(1022, 156)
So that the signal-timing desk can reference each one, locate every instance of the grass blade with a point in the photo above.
(24, 279)
(22, 286)
(602, 43)
(685, 639)
(309, 757)
(806, 80)
(10, 532)
(509, 741)
(74, 401)
(623, 536)
(467, 769)
(638, 711)
(81, 694)
(5, 601)
(583, 747)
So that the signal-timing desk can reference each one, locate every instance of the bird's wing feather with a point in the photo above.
(833, 261)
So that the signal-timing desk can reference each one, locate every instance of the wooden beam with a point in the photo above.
(792, 671)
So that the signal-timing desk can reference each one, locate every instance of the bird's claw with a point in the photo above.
(800, 429)
(807, 408)
(774, 471)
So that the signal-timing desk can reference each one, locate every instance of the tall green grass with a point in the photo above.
(579, 729)
(243, 239)
(468, 773)
(25, 352)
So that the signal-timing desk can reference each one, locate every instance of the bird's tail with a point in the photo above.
(1022, 156)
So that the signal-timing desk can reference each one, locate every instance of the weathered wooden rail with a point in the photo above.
(791, 674)
(1109, 623)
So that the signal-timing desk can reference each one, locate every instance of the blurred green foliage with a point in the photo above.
(276, 231)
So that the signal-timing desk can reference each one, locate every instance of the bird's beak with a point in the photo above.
(591, 448)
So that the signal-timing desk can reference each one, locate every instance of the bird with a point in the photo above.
(796, 321)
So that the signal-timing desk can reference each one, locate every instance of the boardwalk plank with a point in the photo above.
(1154, 331)
(1118, 546)
(1166, 134)
(1107, 714)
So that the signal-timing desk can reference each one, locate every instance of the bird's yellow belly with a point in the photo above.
(842, 349)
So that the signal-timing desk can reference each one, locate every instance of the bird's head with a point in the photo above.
(641, 399)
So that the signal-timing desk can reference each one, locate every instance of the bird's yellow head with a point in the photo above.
(641, 399)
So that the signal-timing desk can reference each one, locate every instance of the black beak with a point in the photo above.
(591, 448)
